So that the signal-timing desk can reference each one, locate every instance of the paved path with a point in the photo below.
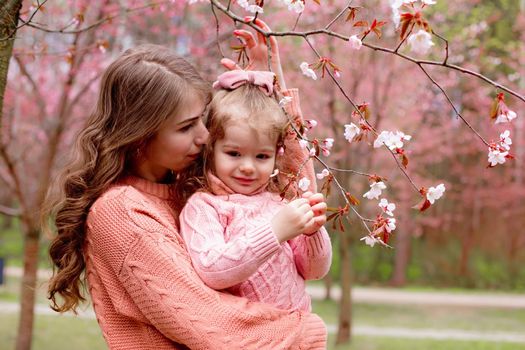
(393, 295)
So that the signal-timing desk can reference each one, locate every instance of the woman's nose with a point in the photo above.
(202, 134)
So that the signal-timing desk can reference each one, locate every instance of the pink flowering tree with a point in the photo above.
(378, 83)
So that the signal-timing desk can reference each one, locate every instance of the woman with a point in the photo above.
(115, 221)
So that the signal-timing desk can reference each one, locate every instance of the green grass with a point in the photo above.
(428, 316)
(384, 343)
(55, 332)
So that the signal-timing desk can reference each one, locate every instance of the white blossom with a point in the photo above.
(309, 72)
(434, 193)
(322, 174)
(351, 130)
(428, 2)
(312, 152)
(496, 157)
(294, 5)
(249, 7)
(311, 123)
(388, 208)
(391, 140)
(420, 42)
(391, 225)
(328, 143)
(369, 240)
(355, 42)
(505, 140)
(303, 143)
(284, 101)
(506, 117)
(375, 190)
(303, 184)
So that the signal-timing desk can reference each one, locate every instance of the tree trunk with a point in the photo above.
(402, 258)
(328, 281)
(8, 22)
(28, 287)
(344, 332)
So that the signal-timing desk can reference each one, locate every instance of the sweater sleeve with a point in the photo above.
(222, 264)
(295, 157)
(312, 254)
(156, 273)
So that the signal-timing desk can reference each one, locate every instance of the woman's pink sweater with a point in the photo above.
(147, 295)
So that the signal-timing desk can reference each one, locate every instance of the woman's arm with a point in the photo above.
(156, 272)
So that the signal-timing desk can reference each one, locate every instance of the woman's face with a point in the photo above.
(178, 142)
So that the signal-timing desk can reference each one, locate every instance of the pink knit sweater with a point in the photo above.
(147, 295)
(233, 247)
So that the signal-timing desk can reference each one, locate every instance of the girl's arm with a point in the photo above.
(312, 254)
(219, 263)
(155, 271)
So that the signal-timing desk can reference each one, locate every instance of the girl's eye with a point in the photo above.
(233, 153)
(263, 156)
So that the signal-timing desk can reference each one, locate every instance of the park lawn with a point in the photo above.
(479, 319)
(64, 333)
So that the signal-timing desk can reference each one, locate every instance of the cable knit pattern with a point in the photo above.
(146, 294)
(233, 247)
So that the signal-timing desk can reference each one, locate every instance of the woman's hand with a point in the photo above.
(293, 219)
(257, 50)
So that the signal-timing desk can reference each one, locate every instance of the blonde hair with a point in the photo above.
(246, 104)
(140, 90)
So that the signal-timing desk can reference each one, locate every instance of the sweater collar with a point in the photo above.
(156, 189)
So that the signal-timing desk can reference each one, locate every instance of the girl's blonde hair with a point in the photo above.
(140, 90)
(247, 105)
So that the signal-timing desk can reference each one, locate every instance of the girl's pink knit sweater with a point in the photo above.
(147, 295)
(233, 247)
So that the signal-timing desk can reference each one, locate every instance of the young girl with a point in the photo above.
(238, 230)
(115, 225)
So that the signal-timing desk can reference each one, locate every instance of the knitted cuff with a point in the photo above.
(264, 241)
(315, 243)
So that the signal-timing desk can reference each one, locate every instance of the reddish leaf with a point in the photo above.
(361, 24)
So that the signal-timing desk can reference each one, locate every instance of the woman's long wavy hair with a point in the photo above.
(140, 90)
(246, 105)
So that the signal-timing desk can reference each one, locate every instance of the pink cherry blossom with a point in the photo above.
(355, 42)
(388, 208)
(303, 184)
(375, 190)
(351, 130)
(309, 72)
(420, 42)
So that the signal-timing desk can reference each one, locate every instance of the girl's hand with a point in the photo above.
(293, 219)
(318, 205)
(257, 51)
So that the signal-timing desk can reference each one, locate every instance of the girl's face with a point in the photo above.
(244, 159)
(178, 142)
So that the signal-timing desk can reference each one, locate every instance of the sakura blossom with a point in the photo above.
(309, 72)
(328, 142)
(312, 152)
(497, 157)
(351, 130)
(294, 5)
(375, 190)
(355, 42)
(391, 225)
(249, 7)
(303, 143)
(303, 184)
(434, 193)
(284, 101)
(322, 174)
(505, 140)
(420, 42)
(391, 140)
(388, 208)
(311, 123)
(505, 116)
(369, 240)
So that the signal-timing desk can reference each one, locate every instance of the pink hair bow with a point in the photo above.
(235, 78)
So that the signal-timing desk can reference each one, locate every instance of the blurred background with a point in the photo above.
(454, 278)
